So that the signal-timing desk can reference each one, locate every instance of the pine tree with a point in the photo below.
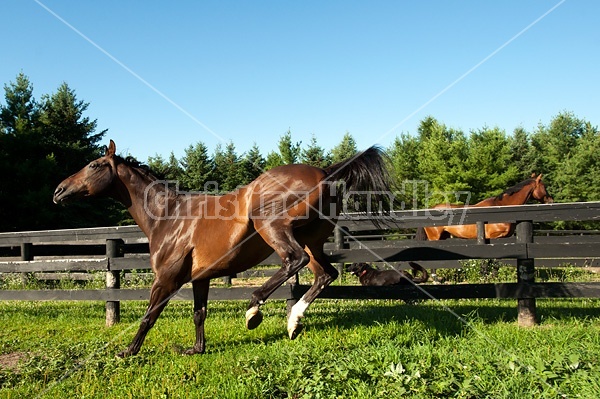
(555, 143)
(489, 164)
(288, 150)
(229, 171)
(314, 155)
(521, 150)
(404, 157)
(67, 131)
(273, 160)
(41, 144)
(20, 114)
(442, 152)
(254, 164)
(344, 150)
(197, 167)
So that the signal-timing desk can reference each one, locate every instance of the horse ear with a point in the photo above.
(539, 178)
(533, 175)
(111, 149)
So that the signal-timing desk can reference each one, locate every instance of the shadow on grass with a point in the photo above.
(446, 320)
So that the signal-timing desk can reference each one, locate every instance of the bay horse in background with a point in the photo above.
(290, 209)
(519, 194)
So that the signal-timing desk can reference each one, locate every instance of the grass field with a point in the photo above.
(349, 349)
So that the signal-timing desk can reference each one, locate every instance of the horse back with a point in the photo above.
(293, 193)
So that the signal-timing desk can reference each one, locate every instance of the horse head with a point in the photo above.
(539, 192)
(94, 179)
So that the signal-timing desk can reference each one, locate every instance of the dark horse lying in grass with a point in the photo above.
(370, 276)
(290, 209)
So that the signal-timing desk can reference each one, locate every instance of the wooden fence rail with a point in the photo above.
(117, 249)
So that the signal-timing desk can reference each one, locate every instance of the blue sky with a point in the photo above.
(171, 74)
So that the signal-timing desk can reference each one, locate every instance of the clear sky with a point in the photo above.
(163, 75)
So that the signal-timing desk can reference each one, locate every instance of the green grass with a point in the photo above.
(349, 349)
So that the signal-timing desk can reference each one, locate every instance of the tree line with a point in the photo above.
(41, 142)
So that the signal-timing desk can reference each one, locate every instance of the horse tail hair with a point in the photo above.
(421, 270)
(421, 234)
(365, 173)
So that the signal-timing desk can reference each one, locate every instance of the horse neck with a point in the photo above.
(518, 198)
(140, 194)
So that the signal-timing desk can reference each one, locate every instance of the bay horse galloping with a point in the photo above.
(532, 188)
(290, 209)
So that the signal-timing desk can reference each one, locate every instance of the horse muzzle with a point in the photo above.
(60, 194)
(64, 193)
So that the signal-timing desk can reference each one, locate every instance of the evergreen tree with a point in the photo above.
(273, 160)
(344, 150)
(288, 150)
(579, 177)
(289, 153)
(488, 166)
(166, 169)
(41, 144)
(404, 158)
(197, 167)
(20, 114)
(67, 131)
(20, 153)
(314, 155)
(229, 171)
(442, 152)
(521, 150)
(254, 164)
(552, 145)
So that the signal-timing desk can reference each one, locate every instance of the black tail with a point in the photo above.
(367, 174)
(421, 270)
(421, 235)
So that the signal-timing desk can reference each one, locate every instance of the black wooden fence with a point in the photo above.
(115, 249)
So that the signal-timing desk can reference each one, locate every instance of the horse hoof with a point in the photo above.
(253, 318)
(123, 354)
(294, 331)
(193, 351)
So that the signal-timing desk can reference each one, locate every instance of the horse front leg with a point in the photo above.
(160, 294)
(200, 289)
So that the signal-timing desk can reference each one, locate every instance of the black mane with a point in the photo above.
(145, 169)
(516, 188)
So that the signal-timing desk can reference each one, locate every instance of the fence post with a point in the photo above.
(525, 274)
(481, 233)
(26, 255)
(338, 236)
(113, 281)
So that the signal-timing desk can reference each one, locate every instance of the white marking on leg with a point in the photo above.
(296, 314)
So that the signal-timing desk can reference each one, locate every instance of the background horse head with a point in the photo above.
(519, 194)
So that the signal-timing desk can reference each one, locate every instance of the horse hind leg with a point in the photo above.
(325, 274)
(280, 237)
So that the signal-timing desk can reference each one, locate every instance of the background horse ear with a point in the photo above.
(111, 149)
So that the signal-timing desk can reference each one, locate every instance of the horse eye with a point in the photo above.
(93, 165)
